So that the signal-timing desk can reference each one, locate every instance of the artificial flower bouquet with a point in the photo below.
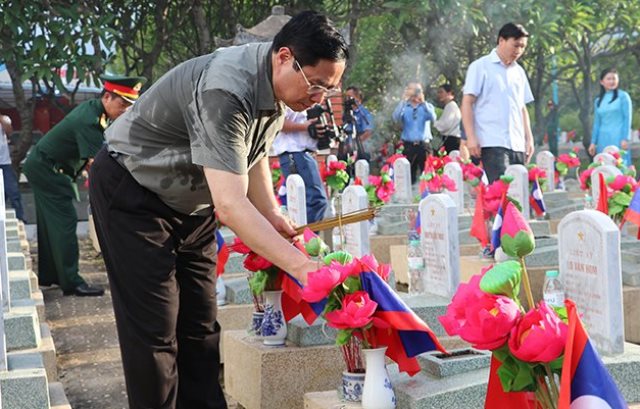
(433, 179)
(620, 190)
(335, 175)
(564, 163)
(354, 298)
(380, 188)
(528, 346)
(538, 173)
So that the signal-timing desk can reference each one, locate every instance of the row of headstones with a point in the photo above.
(23, 375)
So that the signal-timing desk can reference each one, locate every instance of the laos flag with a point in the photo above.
(406, 335)
(536, 200)
(222, 252)
(585, 381)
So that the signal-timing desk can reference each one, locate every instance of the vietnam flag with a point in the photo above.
(407, 335)
(478, 226)
(603, 199)
(222, 252)
(585, 381)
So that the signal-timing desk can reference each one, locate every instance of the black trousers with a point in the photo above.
(162, 275)
(496, 159)
(416, 153)
(451, 143)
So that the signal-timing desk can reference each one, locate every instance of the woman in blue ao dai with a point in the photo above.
(612, 116)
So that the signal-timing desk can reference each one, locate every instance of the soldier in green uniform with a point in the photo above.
(52, 168)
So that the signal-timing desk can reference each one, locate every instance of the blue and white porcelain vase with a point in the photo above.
(352, 385)
(274, 327)
(256, 323)
(377, 392)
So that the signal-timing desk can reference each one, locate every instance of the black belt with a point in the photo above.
(304, 151)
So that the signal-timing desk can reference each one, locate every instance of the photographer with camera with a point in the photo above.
(295, 147)
(355, 114)
(414, 114)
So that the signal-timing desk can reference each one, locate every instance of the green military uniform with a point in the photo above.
(52, 167)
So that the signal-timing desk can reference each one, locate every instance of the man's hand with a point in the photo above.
(592, 149)
(281, 223)
(473, 147)
(529, 149)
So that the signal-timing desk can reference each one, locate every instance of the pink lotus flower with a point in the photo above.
(484, 320)
(320, 283)
(369, 263)
(356, 312)
(493, 196)
(448, 183)
(447, 159)
(536, 173)
(585, 179)
(385, 191)
(516, 238)
(623, 182)
(375, 180)
(540, 336)
(569, 159)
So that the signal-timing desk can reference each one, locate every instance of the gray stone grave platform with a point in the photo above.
(302, 334)
(22, 328)
(57, 397)
(36, 300)
(24, 385)
(237, 289)
(233, 317)
(540, 228)
(261, 377)
(46, 350)
(20, 285)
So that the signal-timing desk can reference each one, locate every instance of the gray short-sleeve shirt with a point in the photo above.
(215, 111)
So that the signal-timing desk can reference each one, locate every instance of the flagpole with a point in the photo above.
(527, 284)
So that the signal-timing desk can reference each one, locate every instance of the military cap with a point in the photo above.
(128, 88)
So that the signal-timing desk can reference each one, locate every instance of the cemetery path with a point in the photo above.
(84, 333)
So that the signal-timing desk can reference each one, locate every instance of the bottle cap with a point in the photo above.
(552, 273)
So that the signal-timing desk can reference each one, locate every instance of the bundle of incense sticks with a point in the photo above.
(340, 220)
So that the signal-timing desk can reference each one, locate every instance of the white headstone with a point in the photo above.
(455, 155)
(607, 171)
(605, 159)
(589, 254)
(454, 171)
(440, 244)
(611, 149)
(356, 235)
(563, 137)
(546, 161)
(331, 158)
(4, 276)
(519, 187)
(635, 135)
(296, 200)
(402, 180)
(362, 171)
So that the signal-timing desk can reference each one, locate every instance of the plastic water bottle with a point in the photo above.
(553, 291)
(336, 238)
(588, 202)
(416, 267)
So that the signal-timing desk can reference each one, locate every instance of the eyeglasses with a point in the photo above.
(317, 89)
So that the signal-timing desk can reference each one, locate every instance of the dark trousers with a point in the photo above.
(11, 190)
(416, 153)
(451, 143)
(56, 219)
(305, 165)
(162, 274)
(496, 159)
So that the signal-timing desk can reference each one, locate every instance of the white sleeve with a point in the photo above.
(474, 80)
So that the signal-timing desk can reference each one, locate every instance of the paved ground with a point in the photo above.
(84, 334)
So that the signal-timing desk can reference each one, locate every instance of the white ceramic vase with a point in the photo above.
(377, 392)
(274, 327)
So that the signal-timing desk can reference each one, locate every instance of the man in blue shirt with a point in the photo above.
(414, 114)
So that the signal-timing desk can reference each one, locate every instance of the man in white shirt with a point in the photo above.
(295, 148)
(494, 112)
(449, 122)
(11, 190)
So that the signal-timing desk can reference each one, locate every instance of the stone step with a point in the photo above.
(57, 396)
(24, 385)
(233, 317)
(20, 285)
(46, 350)
(36, 300)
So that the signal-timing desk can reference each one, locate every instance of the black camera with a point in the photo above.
(323, 133)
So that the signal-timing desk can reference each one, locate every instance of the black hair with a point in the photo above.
(448, 88)
(603, 74)
(356, 91)
(511, 30)
(311, 37)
